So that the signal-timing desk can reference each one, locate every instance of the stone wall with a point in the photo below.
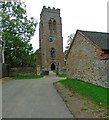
(82, 62)
(22, 71)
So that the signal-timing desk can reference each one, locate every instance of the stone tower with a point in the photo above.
(50, 53)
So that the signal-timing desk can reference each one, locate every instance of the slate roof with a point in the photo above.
(101, 39)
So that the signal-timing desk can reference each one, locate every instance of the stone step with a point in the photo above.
(51, 73)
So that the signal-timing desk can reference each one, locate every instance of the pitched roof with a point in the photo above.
(101, 39)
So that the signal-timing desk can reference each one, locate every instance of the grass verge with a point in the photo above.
(61, 75)
(96, 93)
(27, 77)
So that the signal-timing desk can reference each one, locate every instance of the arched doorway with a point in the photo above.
(53, 67)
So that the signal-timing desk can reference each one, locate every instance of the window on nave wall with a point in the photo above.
(52, 26)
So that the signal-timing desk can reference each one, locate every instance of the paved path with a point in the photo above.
(35, 98)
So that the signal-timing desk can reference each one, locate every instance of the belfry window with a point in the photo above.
(52, 26)
(52, 52)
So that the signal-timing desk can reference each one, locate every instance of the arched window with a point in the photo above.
(52, 52)
(52, 26)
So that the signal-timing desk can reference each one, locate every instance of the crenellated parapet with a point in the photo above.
(49, 9)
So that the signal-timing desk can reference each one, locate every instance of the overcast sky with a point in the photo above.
(90, 15)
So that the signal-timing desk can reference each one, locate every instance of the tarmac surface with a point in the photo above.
(35, 98)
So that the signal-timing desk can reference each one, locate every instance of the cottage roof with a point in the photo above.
(101, 39)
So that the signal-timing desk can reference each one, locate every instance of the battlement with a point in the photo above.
(49, 9)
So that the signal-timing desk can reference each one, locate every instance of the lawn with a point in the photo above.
(96, 93)
(20, 77)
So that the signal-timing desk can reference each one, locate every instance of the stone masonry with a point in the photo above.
(50, 54)
(83, 62)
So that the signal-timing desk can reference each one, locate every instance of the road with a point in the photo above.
(35, 98)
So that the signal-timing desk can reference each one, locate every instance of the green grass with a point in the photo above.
(96, 93)
(62, 75)
(27, 77)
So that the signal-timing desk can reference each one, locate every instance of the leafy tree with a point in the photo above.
(17, 30)
(70, 39)
(32, 60)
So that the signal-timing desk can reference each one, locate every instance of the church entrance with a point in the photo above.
(53, 67)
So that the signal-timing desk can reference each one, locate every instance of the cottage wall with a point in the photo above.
(83, 63)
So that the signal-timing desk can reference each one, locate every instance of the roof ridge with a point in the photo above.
(93, 31)
(101, 39)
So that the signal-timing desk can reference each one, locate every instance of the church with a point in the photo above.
(50, 53)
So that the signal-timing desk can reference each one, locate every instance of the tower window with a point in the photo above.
(51, 38)
(52, 52)
(52, 26)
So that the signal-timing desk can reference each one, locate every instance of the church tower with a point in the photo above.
(50, 53)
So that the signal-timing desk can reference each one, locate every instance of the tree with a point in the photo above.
(70, 39)
(17, 30)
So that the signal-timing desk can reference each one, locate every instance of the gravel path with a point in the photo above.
(35, 98)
